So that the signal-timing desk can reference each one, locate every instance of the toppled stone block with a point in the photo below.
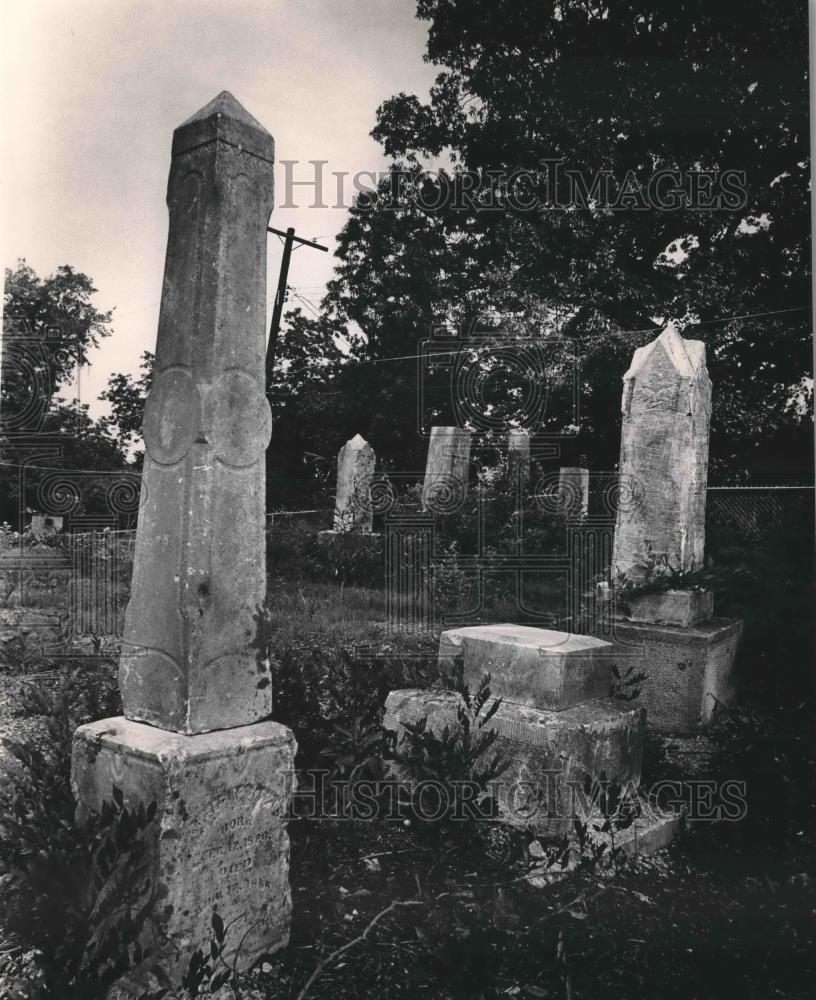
(688, 670)
(554, 757)
(219, 838)
(538, 667)
(648, 833)
(671, 607)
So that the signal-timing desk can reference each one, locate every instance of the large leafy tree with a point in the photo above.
(126, 395)
(50, 325)
(709, 95)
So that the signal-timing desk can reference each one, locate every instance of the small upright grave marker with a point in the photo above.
(446, 470)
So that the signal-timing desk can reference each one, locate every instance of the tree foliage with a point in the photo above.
(50, 326)
(615, 95)
(127, 395)
(57, 312)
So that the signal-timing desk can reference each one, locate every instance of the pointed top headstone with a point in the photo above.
(355, 471)
(187, 661)
(666, 408)
(685, 355)
(227, 105)
(224, 119)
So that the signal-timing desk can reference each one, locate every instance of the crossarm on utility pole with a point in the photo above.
(280, 296)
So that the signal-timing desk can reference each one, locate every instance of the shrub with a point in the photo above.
(457, 758)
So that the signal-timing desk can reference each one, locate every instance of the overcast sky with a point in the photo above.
(94, 88)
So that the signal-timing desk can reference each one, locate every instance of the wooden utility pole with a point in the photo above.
(288, 239)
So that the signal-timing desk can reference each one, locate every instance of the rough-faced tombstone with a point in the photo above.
(664, 459)
(355, 473)
(668, 633)
(193, 680)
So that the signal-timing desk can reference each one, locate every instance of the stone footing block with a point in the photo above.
(688, 670)
(650, 832)
(219, 839)
(538, 667)
(553, 756)
(671, 607)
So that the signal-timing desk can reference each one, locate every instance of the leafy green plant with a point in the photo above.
(358, 750)
(628, 685)
(76, 896)
(79, 895)
(209, 969)
(458, 756)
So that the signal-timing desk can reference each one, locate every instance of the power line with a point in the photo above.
(597, 336)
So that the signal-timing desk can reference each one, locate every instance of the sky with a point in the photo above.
(92, 90)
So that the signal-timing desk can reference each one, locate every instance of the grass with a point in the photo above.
(725, 913)
(324, 610)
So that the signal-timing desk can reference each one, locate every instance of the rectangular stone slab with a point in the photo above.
(549, 752)
(671, 607)
(538, 667)
(219, 838)
(688, 670)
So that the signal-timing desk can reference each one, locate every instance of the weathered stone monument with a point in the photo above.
(573, 491)
(664, 448)
(670, 634)
(557, 725)
(353, 507)
(355, 472)
(447, 469)
(194, 686)
(518, 454)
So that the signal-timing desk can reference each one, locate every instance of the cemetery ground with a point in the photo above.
(392, 906)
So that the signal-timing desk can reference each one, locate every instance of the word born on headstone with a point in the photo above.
(190, 663)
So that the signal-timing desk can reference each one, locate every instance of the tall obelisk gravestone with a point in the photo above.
(669, 634)
(193, 684)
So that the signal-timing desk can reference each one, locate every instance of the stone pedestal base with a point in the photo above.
(688, 669)
(672, 607)
(219, 838)
(554, 756)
